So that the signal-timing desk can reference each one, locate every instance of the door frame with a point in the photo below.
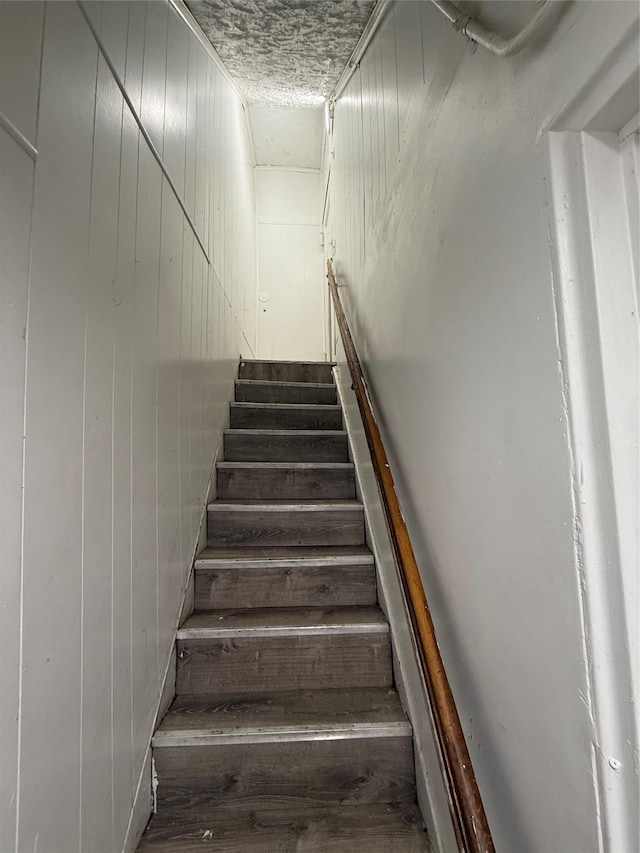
(595, 296)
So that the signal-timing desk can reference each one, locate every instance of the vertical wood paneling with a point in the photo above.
(217, 167)
(20, 48)
(97, 561)
(20, 45)
(132, 341)
(191, 127)
(168, 417)
(201, 136)
(194, 359)
(16, 182)
(113, 25)
(185, 389)
(154, 72)
(176, 89)
(123, 774)
(53, 480)
(221, 269)
(144, 438)
(124, 770)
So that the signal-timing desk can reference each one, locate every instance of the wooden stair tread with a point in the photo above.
(284, 445)
(284, 555)
(280, 466)
(303, 407)
(303, 416)
(253, 578)
(289, 620)
(279, 506)
(287, 712)
(285, 480)
(261, 524)
(256, 391)
(289, 828)
(246, 361)
(286, 371)
(276, 382)
(310, 433)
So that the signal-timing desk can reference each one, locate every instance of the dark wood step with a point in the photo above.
(286, 712)
(313, 770)
(261, 524)
(317, 745)
(262, 445)
(286, 371)
(252, 391)
(302, 580)
(285, 481)
(283, 649)
(280, 416)
(289, 828)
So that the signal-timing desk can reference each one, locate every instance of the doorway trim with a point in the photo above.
(595, 296)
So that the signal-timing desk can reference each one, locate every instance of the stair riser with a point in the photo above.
(246, 664)
(277, 371)
(285, 448)
(308, 586)
(349, 771)
(248, 417)
(286, 484)
(287, 826)
(258, 528)
(272, 392)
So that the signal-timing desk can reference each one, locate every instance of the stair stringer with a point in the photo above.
(431, 791)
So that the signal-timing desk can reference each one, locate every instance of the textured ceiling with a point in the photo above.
(286, 56)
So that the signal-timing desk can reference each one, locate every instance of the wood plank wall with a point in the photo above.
(118, 340)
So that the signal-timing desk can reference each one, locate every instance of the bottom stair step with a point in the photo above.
(290, 829)
(313, 771)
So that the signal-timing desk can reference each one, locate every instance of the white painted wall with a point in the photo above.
(291, 284)
(118, 341)
(289, 136)
(441, 216)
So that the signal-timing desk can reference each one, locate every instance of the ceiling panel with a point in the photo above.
(286, 56)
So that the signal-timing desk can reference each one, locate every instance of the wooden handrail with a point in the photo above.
(467, 811)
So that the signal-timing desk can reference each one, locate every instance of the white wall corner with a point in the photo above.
(142, 806)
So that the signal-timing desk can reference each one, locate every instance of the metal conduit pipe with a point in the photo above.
(495, 42)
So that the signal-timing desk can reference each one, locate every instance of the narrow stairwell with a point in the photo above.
(286, 733)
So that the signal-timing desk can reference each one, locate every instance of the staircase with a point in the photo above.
(286, 733)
